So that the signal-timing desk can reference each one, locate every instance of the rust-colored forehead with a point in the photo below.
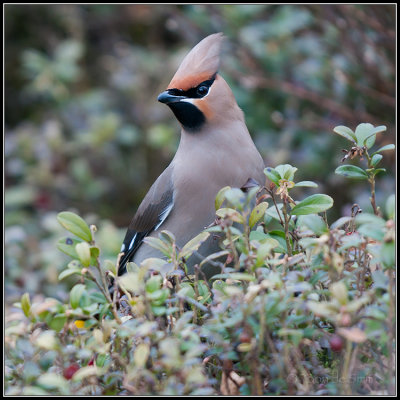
(189, 81)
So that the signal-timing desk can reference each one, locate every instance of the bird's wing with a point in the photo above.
(152, 212)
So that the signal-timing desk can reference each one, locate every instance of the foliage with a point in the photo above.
(300, 306)
(84, 131)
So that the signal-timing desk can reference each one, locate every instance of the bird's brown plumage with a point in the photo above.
(200, 64)
(217, 151)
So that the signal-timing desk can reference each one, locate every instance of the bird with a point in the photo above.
(215, 151)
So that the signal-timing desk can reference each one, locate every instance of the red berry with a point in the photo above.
(70, 371)
(336, 343)
(245, 337)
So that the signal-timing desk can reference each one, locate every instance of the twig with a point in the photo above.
(287, 220)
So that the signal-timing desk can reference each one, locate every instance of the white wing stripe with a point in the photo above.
(131, 243)
(164, 215)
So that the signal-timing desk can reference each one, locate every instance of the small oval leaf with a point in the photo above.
(141, 355)
(313, 222)
(257, 213)
(376, 158)
(220, 198)
(313, 204)
(75, 224)
(391, 206)
(83, 251)
(67, 246)
(366, 134)
(272, 175)
(158, 244)
(68, 272)
(26, 304)
(286, 171)
(235, 197)
(76, 294)
(230, 213)
(193, 245)
(306, 184)
(386, 148)
(345, 132)
(351, 171)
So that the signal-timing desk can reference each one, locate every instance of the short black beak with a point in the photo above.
(166, 97)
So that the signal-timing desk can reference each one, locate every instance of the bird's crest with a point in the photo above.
(200, 64)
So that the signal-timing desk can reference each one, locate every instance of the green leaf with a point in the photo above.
(240, 276)
(26, 304)
(130, 281)
(167, 236)
(367, 218)
(85, 372)
(220, 198)
(94, 252)
(272, 175)
(323, 309)
(141, 355)
(376, 158)
(273, 213)
(158, 244)
(313, 204)
(158, 297)
(214, 256)
(235, 197)
(47, 340)
(313, 222)
(154, 283)
(230, 213)
(380, 280)
(257, 213)
(388, 254)
(265, 249)
(353, 240)
(68, 272)
(376, 171)
(308, 242)
(187, 290)
(286, 171)
(75, 224)
(76, 294)
(351, 171)
(340, 222)
(345, 132)
(306, 184)
(193, 245)
(67, 246)
(366, 134)
(83, 251)
(279, 236)
(391, 206)
(372, 231)
(58, 322)
(110, 266)
(339, 292)
(385, 148)
(51, 380)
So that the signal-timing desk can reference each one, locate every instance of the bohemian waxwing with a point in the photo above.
(215, 150)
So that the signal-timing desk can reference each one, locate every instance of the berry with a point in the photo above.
(336, 343)
(70, 371)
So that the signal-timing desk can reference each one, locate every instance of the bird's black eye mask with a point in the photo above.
(196, 92)
(191, 118)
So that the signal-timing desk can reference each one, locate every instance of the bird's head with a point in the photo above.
(197, 94)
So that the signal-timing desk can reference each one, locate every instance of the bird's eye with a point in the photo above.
(202, 90)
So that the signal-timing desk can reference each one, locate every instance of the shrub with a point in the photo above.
(301, 306)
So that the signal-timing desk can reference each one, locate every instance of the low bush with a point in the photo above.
(302, 305)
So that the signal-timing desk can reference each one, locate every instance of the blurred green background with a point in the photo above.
(84, 131)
